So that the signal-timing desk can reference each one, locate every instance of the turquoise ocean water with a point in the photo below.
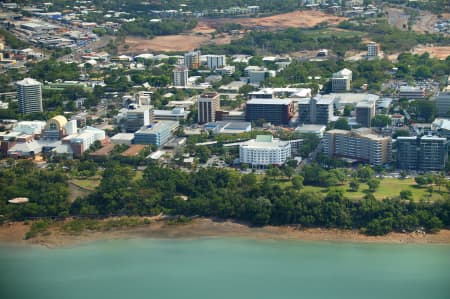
(226, 268)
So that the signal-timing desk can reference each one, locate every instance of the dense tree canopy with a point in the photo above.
(216, 192)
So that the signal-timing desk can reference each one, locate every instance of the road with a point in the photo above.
(312, 156)
(92, 47)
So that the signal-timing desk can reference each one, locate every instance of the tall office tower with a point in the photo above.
(180, 76)
(192, 60)
(365, 111)
(276, 111)
(208, 104)
(29, 94)
(317, 110)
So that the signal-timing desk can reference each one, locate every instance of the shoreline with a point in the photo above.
(13, 234)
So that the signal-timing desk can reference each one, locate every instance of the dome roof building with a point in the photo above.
(55, 128)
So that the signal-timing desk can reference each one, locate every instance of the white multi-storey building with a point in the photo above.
(30, 127)
(180, 76)
(342, 80)
(264, 151)
(29, 94)
(216, 61)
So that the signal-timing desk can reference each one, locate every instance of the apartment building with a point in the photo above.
(424, 153)
(192, 60)
(216, 61)
(359, 144)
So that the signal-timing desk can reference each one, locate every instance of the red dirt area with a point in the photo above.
(300, 19)
(104, 151)
(440, 52)
(133, 150)
(203, 33)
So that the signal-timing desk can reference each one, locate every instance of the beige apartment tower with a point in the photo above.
(208, 104)
(360, 144)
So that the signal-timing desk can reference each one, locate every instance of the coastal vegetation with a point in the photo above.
(77, 226)
(39, 227)
(313, 197)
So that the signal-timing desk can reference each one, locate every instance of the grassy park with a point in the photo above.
(389, 187)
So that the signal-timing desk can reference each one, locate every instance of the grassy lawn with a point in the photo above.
(325, 33)
(138, 175)
(87, 183)
(389, 187)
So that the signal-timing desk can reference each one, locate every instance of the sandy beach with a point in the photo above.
(13, 234)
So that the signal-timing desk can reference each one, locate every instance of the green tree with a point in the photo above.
(348, 110)
(273, 172)
(365, 173)
(423, 180)
(426, 110)
(354, 185)
(373, 184)
(342, 124)
(381, 120)
(406, 194)
(297, 182)
(288, 171)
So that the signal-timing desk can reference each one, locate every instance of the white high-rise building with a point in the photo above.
(180, 76)
(264, 151)
(216, 61)
(29, 94)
